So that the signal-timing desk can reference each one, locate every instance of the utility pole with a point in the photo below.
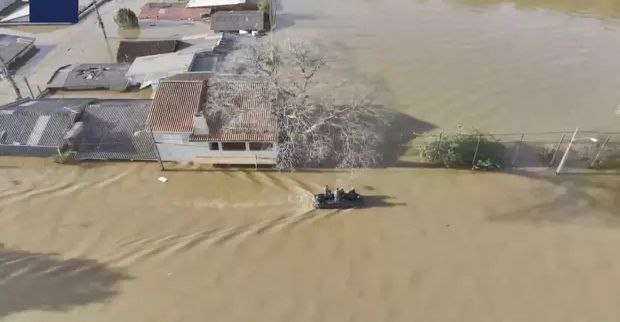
(9, 77)
(101, 25)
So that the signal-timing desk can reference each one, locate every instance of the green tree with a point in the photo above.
(125, 18)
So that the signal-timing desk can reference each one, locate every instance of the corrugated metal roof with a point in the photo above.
(12, 47)
(175, 104)
(128, 51)
(115, 130)
(238, 20)
(38, 123)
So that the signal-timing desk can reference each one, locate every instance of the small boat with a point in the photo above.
(338, 199)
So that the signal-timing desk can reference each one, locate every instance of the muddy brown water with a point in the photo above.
(108, 242)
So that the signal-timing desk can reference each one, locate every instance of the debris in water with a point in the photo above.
(163, 179)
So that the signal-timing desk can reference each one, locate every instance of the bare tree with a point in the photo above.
(321, 119)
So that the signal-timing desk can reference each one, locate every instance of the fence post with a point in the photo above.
(161, 164)
(438, 148)
(473, 161)
(555, 151)
(516, 154)
(598, 154)
(29, 88)
(565, 156)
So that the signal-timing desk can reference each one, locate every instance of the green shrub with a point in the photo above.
(457, 151)
(125, 18)
(62, 158)
(263, 5)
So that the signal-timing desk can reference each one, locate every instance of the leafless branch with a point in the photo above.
(317, 123)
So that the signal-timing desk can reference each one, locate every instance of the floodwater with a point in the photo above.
(108, 242)
(501, 66)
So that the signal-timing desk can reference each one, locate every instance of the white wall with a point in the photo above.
(187, 152)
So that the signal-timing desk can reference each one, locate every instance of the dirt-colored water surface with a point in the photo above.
(108, 242)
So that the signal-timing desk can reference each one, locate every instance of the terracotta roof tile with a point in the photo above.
(175, 104)
(254, 121)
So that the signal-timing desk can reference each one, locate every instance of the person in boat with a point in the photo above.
(328, 192)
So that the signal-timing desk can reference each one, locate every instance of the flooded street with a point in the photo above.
(493, 65)
(108, 242)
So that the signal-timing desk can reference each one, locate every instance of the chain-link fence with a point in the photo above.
(586, 150)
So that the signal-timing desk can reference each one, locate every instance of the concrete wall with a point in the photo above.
(27, 151)
(180, 152)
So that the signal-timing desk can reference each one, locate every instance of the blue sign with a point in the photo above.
(54, 11)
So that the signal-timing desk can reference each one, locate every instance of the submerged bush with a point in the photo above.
(457, 151)
(263, 6)
(125, 18)
(63, 158)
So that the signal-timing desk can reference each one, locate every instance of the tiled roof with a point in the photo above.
(254, 120)
(43, 123)
(175, 104)
(128, 51)
(114, 130)
(90, 76)
(13, 46)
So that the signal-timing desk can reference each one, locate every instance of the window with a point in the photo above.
(168, 138)
(233, 146)
(214, 146)
(260, 146)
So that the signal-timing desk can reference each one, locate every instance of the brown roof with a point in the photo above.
(128, 51)
(175, 104)
(172, 11)
(254, 121)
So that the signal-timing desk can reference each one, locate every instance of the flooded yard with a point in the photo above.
(108, 242)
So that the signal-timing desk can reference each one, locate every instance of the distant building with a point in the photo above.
(185, 130)
(172, 11)
(197, 57)
(217, 5)
(39, 127)
(231, 21)
(129, 50)
(15, 50)
(90, 76)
